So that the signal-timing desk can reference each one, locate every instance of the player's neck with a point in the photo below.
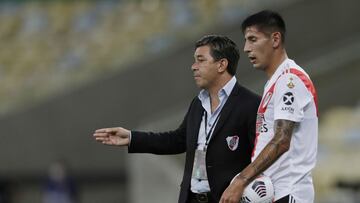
(278, 59)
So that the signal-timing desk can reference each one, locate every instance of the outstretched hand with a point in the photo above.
(113, 136)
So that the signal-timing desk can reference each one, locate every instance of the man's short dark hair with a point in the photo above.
(267, 22)
(221, 47)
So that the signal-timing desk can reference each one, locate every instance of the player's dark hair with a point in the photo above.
(267, 22)
(221, 47)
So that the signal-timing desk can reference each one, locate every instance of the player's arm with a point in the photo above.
(113, 136)
(272, 151)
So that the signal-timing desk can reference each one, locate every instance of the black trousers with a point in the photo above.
(286, 199)
(200, 198)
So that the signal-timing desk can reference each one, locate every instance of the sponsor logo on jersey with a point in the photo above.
(288, 109)
(288, 98)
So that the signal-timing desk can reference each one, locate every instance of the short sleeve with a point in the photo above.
(290, 98)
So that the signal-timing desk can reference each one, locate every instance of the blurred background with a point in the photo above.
(70, 67)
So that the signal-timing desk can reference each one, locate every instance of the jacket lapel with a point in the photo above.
(198, 113)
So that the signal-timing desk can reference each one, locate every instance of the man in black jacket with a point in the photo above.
(217, 132)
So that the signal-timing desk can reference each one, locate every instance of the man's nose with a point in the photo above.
(193, 67)
(246, 47)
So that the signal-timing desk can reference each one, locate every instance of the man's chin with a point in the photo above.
(198, 84)
(256, 66)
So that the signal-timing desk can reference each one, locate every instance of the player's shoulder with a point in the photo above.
(295, 70)
(293, 73)
(293, 78)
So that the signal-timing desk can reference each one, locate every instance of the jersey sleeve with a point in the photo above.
(290, 98)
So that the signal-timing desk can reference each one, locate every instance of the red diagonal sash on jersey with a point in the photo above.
(266, 99)
(260, 114)
(308, 84)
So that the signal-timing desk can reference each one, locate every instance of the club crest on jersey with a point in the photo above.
(233, 142)
(291, 84)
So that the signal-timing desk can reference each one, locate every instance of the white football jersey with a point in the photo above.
(290, 95)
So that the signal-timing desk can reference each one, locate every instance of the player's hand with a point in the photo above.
(113, 136)
(233, 192)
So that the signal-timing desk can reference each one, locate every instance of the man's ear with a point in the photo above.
(276, 39)
(223, 64)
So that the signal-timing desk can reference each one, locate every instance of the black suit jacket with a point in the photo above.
(237, 117)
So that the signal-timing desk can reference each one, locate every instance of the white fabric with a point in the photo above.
(287, 95)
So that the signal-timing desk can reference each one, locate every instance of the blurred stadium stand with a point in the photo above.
(70, 67)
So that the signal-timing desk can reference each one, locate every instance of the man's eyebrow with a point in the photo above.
(250, 37)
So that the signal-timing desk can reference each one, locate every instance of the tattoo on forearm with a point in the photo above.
(276, 147)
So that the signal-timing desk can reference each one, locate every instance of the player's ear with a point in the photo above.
(276, 39)
(223, 64)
